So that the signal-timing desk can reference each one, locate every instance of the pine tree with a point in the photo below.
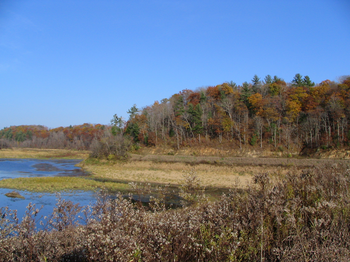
(277, 79)
(133, 111)
(298, 80)
(268, 79)
(308, 82)
(245, 92)
(256, 84)
(196, 118)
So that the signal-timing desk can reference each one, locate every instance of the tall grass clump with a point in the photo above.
(303, 217)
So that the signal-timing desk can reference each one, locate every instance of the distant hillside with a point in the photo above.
(37, 136)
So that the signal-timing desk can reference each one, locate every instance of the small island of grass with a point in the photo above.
(54, 184)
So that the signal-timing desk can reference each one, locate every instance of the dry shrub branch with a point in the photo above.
(303, 217)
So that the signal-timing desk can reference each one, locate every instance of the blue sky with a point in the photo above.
(67, 62)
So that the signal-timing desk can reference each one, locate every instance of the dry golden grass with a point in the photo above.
(173, 172)
(54, 184)
(43, 153)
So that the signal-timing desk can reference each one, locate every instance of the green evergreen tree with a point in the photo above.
(133, 111)
(133, 130)
(202, 98)
(276, 79)
(117, 124)
(298, 80)
(8, 134)
(233, 85)
(196, 118)
(268, 79)
(307, 81)
(179, 107)
(256, 84)
(222, 94)
(20, 136)
(245, 92)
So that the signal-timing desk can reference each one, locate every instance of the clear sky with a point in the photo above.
(69, 62)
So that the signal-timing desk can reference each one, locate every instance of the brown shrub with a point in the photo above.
(4, 143)
(304, 217)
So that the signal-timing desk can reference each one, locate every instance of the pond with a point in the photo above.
(14, 168)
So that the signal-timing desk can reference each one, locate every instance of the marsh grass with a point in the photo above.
(220, 172)
(54, 184)
(221, 176)
(43, 153)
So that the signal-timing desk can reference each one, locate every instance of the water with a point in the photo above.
(14, 168)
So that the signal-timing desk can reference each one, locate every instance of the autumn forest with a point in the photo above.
(269, 114)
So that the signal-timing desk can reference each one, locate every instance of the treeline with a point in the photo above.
(266, 113)
(78, 137)
(269, 113)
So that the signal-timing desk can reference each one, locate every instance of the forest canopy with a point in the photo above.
(263, 112)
